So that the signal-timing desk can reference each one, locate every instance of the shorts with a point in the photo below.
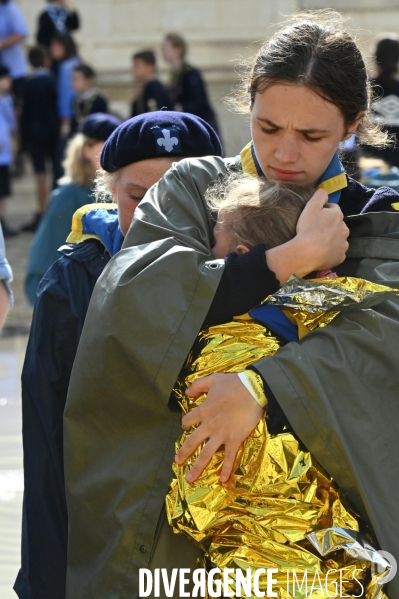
(5, 181)
(18, 86)
(38, 153)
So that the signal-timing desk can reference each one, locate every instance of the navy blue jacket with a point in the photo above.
(188, 89)
(154, 97)
(60, 310)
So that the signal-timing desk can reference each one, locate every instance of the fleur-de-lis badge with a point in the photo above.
(167, 141)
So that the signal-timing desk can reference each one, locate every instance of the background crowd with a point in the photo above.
(48, 90)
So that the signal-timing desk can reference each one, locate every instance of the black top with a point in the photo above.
(39, 119)
(386, 108)
(154, 97)
(46, 28)
(82, 109)
(188, 89)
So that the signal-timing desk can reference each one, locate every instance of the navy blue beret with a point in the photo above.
(158, 134)
(99, 126)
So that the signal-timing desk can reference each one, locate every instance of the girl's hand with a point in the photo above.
(320, 243)
(226, 417)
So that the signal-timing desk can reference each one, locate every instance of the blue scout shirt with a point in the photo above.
(65, 89)
(13, 22)
(7, 126)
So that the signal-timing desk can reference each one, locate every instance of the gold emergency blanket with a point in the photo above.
(265, 516)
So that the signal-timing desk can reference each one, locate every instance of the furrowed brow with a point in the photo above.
(271, 124)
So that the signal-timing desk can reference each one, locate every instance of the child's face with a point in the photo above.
(141, 69)
(80, 83)
(5, 84)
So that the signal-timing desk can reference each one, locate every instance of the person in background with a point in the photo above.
(81, 164)
(40, 125)
(64, 52)
(187, 88)
(135, 161)
(87, 99)
(149, 93)
(7, 127)
(386, 107)
(6, 297)
(13, 31)
(58, 17)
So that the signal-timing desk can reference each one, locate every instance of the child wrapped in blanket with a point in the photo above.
(280, 509)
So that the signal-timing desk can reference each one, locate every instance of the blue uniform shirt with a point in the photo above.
(65, 90)
(7, 126)
(13, 22)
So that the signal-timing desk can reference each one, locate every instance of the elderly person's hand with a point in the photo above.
(226, 417)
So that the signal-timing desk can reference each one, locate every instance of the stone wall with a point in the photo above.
(219, 32)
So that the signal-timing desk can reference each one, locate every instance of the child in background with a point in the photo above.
(187, 88)
(7, 127)
(87, 99)
(58, 17)
(64, 52)
(81, 163)
(149, 93)
(40, 125)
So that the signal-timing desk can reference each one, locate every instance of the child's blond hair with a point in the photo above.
(255, 210)
(78, 170)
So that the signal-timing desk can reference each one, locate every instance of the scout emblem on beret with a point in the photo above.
(167, 140)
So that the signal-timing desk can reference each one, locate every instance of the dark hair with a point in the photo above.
(87, 71)
(177, 41)
(387, 55)
(147, 56)
(66, 40)
(38, 55)
(314, 50)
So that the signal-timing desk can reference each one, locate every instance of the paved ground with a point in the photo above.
(12, 350)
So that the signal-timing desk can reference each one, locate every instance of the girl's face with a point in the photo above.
(296, 133)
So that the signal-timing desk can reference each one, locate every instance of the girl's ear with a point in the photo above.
(241, 249)
(353, 127)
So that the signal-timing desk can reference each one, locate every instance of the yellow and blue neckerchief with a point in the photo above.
(333, 179)
(97, 221)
